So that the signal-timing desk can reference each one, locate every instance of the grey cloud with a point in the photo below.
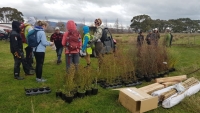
(157, 9)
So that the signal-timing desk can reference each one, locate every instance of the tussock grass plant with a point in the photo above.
(150, 60)
(69, 81)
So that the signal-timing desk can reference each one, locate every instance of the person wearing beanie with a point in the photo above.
(86, 48)
(29, 51)
(56, 37)
(16, 48)
(97, 41)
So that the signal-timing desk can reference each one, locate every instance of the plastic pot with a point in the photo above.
(69, 99)
(94, 91)
(172, 69)
(148, 79)
(35, 90)
(161, 75)
(81, 94)
(58, 94)
(63, 96)
(88, 92)
(47, 88)
(41, 89)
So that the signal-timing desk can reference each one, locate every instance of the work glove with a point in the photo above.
(17, 55)
(82, 53)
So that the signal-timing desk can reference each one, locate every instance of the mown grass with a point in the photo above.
(13, 98)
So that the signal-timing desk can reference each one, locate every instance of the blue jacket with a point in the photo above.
(41, 36)
(86, 40)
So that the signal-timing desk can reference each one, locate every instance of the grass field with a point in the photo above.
(14, 100)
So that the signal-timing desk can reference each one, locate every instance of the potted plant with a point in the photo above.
(88, 81)
(69, 85)
(95, 85)
(81, 82)
(58, 85)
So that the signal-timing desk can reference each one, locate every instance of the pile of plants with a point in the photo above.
(129, 66)
(154, 61)
(118, 69)
(76, 84)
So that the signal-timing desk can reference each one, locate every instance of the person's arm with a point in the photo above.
(51, 38)
(97, 34)
(43, 38)
(80, 41)
(15, 45)
(85, 43)
(64, 39)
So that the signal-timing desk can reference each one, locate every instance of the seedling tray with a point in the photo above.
(36, 91)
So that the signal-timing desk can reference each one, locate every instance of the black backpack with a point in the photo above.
(104, 35)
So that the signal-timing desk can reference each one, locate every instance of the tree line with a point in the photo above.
(145, 23)
(139, 22)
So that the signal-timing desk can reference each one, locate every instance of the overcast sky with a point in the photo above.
(109, 10)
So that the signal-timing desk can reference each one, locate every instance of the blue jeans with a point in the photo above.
(59, 53)
(72, 58)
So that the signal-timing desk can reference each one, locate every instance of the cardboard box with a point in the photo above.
(137, 101)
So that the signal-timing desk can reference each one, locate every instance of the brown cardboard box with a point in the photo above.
(137, 101)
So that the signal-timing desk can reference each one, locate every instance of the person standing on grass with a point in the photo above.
(29, 56)
(97, 40)
(167, 38)
(140, 39)
(148, 37)
(39, 51)
(155, 37)
(171, 39)
(16, 48)
(72, 44)
(86, 47)
(56, 37)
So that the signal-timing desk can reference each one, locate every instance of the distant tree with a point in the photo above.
(61, 25)
(122, 28)
(8, 14)
(117, 25)
(141, 22)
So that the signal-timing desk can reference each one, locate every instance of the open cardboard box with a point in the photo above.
(137, 101)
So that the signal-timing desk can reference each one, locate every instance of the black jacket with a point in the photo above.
(15, 38)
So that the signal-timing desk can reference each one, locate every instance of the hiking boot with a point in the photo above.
(41, 80)
(87, 65)
(59, 62)
(19, 78)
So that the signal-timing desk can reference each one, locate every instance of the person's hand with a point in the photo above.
(17, 55)
(51, 43)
